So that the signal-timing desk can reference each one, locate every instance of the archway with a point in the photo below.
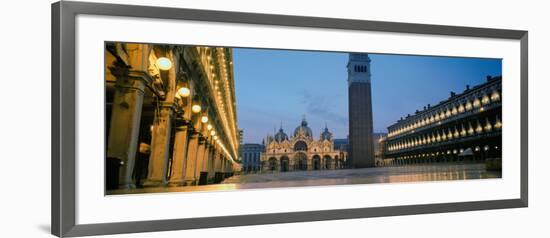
(328, 162)
(272, 164)
(316, 162)
(301, 161)
(284, 164)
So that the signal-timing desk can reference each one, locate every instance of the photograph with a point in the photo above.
(197, 118)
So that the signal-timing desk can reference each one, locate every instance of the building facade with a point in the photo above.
(378, 140)
(465, 126)
(301, 151)
(170, 115)
(342, 146)
(361, 146)
(251, 157)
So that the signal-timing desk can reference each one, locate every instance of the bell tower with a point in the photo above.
(361, 146)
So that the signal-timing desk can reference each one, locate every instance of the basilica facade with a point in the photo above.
(301, 151)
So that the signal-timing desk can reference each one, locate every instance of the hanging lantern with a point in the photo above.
(164, 63)
(196, 108)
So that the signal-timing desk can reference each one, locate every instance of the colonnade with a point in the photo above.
(464, 127)
(170, 115)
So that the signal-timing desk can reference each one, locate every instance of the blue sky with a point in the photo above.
(281, 86)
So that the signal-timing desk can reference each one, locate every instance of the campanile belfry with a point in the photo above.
(361, 147)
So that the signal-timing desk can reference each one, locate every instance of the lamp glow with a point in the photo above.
(212, 133)
(184, 92)
(164, 63)
(196, 108)
(209, 127)
(204, 119)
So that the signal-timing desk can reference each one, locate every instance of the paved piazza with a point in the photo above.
(411, 173)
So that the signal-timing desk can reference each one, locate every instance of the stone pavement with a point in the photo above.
(410, 173)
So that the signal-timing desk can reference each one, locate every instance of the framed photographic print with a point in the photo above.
(167, 118)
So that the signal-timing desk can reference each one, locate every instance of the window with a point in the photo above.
(300, 146)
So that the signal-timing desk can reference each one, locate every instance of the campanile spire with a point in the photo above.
(361, 147)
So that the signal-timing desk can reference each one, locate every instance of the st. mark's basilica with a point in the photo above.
(301, 151)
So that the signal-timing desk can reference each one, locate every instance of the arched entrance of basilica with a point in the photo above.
(272, 164)
(328, 162)
(284, 164)
(316, 162)
(301, 161)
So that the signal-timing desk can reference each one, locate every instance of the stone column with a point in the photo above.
(125, 121)
(160, 147)
(229, 166)
(179, 159)
(222, 165)
(218, 162)
(218, 167)
(206, 157)
(200, 158)
(212, 162)
(192, 149)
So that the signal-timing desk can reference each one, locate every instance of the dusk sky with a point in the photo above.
(280, 86)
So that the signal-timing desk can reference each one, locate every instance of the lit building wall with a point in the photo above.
(464, 126)
(170, 114)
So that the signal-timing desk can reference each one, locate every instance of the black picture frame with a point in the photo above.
(64, 121)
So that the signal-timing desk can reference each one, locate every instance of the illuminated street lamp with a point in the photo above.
(209, 127)
(204, 119)
(212, 133)
(196, 108)
(183, 92)
(164, 63)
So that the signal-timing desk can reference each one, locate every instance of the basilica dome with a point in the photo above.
(303, 130)
(281, 136)
(326, 135)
